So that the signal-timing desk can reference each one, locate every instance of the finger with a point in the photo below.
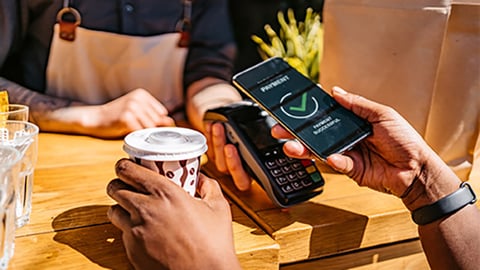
(149, 111)
(149, 101)
(119, 218)
(159, 114)
(130, 120)
(129, 199)
(279, 132)
(341, 163)
(137, 108)
(124, 168)
(219, 141)
(295, 149)
(145, 122)
(158, 107)
(361, 106)
(208, 133)
(145, 180)
(211, 193)
(208, 188)
(145, 116)
(235, 168)
(165, 121)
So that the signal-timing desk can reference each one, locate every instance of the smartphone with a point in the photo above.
(287, 181)
(303, 108)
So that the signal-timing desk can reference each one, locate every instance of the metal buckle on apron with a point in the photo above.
(185, 24)
(67, 28)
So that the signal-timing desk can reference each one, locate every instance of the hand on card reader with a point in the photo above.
(287, 181)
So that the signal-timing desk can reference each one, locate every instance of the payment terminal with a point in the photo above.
(287, 181)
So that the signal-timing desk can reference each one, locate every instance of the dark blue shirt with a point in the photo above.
(26, 29)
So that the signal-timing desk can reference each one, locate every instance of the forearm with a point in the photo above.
(454, 241)
(206, 94)
(49, 113)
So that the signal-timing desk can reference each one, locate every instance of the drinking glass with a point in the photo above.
(23, 136)
(9, 171)
(17, 112)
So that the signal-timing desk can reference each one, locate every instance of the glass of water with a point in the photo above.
(17, 112)
(9, 171)
(23, 136)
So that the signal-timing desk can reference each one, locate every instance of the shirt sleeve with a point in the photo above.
(212, 48)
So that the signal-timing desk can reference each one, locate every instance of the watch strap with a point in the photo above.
(445, 206)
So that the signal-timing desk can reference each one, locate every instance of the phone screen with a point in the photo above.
(302, 107)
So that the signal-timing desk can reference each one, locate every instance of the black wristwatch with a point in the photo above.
(445, 206)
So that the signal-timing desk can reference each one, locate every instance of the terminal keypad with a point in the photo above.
(292, 174)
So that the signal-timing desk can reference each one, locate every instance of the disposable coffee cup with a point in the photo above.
(171, 151)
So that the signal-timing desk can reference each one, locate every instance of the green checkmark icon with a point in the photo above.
(303, 105)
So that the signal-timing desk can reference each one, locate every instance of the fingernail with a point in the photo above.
(215, 129)
(339, 90)
(335, 158)
(228, 152)
(297, 146)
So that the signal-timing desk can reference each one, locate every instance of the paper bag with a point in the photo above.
(421, 58)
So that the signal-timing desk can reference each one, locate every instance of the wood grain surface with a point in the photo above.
(69, 228)
(344, 218)
(345, 227)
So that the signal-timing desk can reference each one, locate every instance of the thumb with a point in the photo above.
(341, 163)
(359, 105)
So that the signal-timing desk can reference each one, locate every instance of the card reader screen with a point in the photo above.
(258, 130)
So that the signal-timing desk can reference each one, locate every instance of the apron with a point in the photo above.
(96, 67)
(419, 57)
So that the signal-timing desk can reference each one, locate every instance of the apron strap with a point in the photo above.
(185, 24)
(68, 18)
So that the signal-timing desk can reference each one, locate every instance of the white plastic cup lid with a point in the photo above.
(165, 143)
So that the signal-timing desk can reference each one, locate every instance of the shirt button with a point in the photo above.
(129, 8)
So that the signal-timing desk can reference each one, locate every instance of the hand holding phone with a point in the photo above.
(303, 108)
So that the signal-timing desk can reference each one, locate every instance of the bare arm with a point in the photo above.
(452, 242)
(210, 93)
(137, 109)
(134, 110)
(206, 94)
(41, 106)
(396, 160)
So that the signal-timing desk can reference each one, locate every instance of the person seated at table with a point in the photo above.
(164, 227)
(110, 67)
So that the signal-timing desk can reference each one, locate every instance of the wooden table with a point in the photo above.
(69, 228)
(345, 227)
